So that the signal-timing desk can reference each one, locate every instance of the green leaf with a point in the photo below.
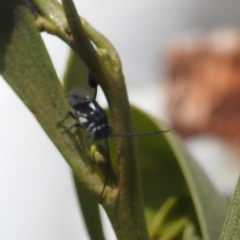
(231, 228)
(168, 170)
(26, 66)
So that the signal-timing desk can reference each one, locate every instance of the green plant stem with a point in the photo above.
(54, 22)
(102, 42)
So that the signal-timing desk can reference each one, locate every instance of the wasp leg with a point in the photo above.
(69, 114)
(75, 125)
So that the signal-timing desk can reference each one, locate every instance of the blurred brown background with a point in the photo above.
(203, 87)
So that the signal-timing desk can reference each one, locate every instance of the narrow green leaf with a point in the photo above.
(90, 212)
(169, 222)
(231, 228)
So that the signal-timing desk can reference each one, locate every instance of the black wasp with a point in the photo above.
(88, 113)
(90, 116)
(93, 118)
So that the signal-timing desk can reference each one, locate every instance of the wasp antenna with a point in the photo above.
(138, 134)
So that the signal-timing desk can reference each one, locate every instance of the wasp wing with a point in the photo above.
(78, 95)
